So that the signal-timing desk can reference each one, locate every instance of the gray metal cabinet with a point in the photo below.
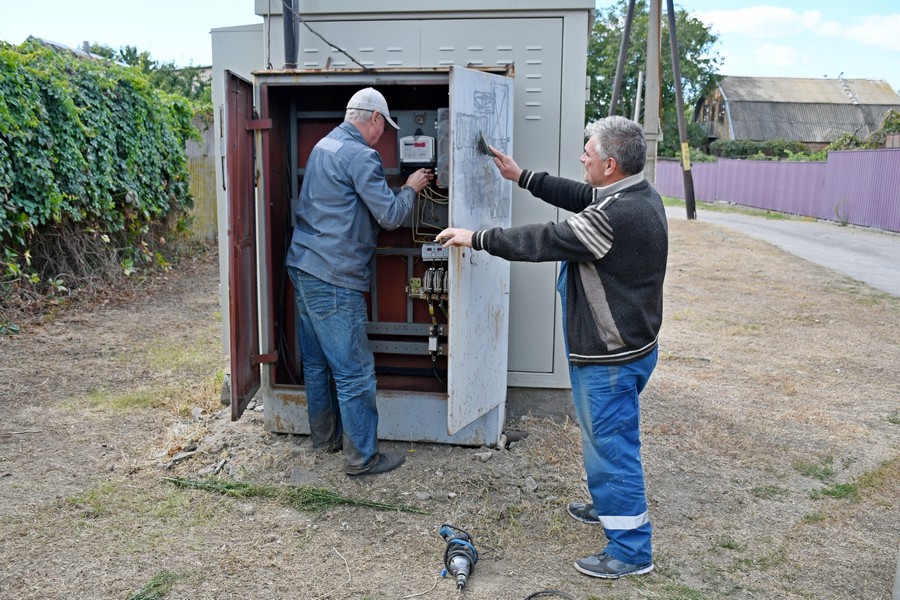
(502, 323)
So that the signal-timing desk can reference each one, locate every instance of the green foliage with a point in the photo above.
(306, 498)
(187, 82)
(845, 141)
(891, 122)
(85, 146)
(820, 471)
(156, 588)
(765, 150)
(699, 66)
(698, 156)
(839, 491)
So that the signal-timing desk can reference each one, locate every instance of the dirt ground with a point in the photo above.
(771, 432)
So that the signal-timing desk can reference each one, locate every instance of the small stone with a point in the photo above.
(181, 456)
(484, 456)
(423, 496)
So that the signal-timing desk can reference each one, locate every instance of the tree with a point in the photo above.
(187, 82)
(699, 67)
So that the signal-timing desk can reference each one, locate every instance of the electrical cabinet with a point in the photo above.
(450, 329)
(438, 318)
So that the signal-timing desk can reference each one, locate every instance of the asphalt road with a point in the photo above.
(868, 255)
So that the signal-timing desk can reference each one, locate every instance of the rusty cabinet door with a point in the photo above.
(242, 258)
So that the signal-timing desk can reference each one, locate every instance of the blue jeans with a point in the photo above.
(608, 412)
(338, 369)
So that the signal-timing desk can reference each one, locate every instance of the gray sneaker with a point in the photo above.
(583, 512)
(606, 567)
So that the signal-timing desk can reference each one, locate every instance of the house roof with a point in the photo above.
(805, 109)
(807, 90)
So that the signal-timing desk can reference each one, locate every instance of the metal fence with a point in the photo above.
(860, 187)
(202, 166)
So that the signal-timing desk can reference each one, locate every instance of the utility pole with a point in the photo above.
(652, 130)
(637, 97)
(623, 52)
(682, 126)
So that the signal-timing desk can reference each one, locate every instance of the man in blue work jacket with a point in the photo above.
(344, 202)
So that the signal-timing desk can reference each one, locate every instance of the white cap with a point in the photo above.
(371, 99)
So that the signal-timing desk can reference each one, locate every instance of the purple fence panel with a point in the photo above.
(770, 185)
(862, 187)
(670, 179)
(706, 181)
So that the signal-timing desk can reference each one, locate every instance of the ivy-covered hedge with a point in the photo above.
(86, 142)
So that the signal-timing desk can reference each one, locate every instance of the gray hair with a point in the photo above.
(358, 114)
(621, 139)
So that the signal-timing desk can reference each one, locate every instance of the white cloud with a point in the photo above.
(768, 21)
(877, 30)
(777, 56)
(773, 22)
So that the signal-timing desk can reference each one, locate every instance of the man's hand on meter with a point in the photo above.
(419, 179)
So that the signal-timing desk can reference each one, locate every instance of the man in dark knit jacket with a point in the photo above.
(613, 252)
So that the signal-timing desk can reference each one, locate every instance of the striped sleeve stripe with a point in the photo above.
(527, 181)
(593, 230)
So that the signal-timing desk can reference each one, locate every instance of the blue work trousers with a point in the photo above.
(608, 412)
(338, 369)
(606, 403)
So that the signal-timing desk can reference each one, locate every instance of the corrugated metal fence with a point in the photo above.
(202, 166)
(860, 187)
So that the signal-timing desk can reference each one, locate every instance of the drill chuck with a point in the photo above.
(460, 567)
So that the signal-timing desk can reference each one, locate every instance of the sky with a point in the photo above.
(801, 38)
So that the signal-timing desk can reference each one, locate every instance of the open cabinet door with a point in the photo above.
(479, 282)
(242, 276)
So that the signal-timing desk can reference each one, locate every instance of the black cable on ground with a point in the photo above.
(550, 593)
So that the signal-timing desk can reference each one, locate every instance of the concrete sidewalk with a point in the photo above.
(867, 255)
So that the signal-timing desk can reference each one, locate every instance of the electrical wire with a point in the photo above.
(550, 593)
(318, 35)
(420, 222)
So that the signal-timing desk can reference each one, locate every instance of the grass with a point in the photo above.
(882, 481)
(303, 498)
(170, 355)
(815, 517)
(893, 418)
(119, 497)
(156, 588)
(179, 398)
(725, 207)
(729, 543)
(821, 471)
(839, 491)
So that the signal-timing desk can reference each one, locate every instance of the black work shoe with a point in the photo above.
(386, 462)
(583, 512)
(328, 447)
(606, 567)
